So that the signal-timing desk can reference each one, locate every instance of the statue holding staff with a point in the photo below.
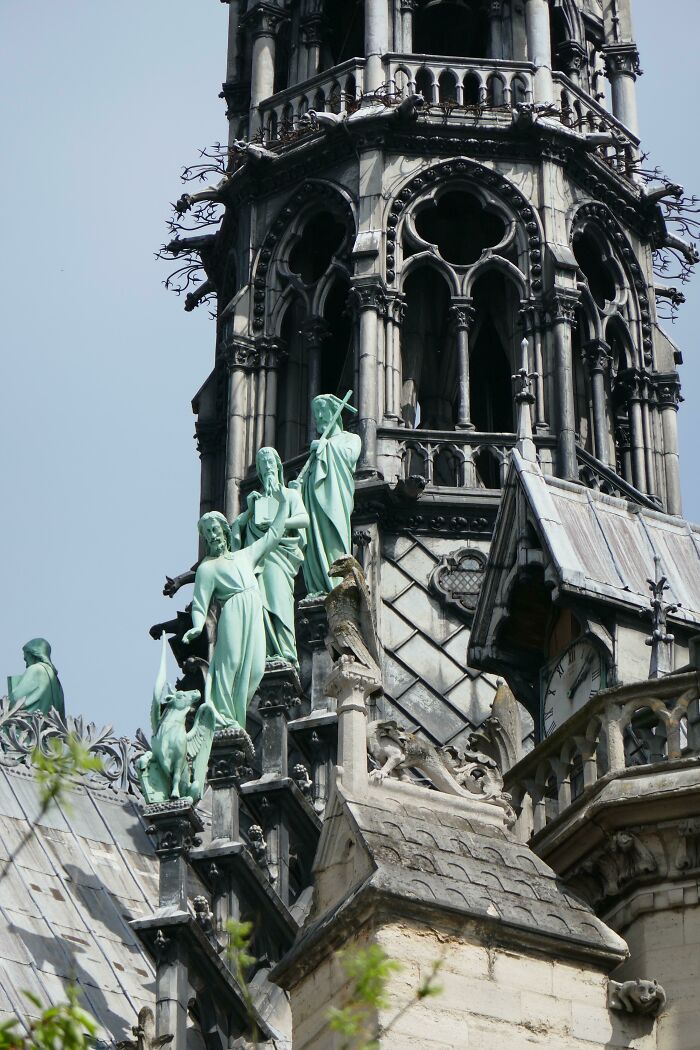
(39, 685)
(238, 662)
(327, 484)
(279, 567)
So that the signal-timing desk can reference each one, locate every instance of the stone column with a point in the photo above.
(313, 628)
(262, 21)
(647, 395)
(352, 684)
(668, 396)
(370, 302)
(311, 37)
(531, 324)
(273, 358)
(234, 40)
(376, 41)
(562, 315)
(313, 331)
(622, 69)
(495, 29)
(539, 48)
(462, 316)
(211, 442)
(631, 382)
(241, 360)
(229, 766)
(597, 356)
(395, 314)
(406, 8)
(174, 827)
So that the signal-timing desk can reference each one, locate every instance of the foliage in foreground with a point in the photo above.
(66, 1026)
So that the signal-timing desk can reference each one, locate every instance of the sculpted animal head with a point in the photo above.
(648, 996)
(344, 566)
(181, 699)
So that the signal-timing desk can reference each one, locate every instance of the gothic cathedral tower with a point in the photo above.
(414, 187)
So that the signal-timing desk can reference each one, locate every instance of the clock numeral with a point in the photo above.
(550, 692)
(572, 656)
(595, 674)
(593, 692)
(559, 669)
(549, 712)
(550, 728)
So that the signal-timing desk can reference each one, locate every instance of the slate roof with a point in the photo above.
(67, 897)
(439, 856)
(605, 545)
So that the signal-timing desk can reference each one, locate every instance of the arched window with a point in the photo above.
(337, 362)
(292, 403)
(428, 360)
(345, 36)
(282, 55)
(472, 90)
(447, 86)
(425, 84)
(335, 99)
(493, 352)
(447, 27)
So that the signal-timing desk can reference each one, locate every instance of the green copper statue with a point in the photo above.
(328, 491)
(238, 663)
(38, 686)
(164, 771)
(280, 565)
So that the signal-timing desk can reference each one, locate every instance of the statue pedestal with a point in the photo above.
(278, 693)
(174, 827)
(232, 754)
(352, 684)
(313, 628)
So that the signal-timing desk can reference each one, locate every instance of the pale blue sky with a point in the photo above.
(102, 103)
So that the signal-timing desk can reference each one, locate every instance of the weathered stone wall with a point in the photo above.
(491, 999)
(665, 946)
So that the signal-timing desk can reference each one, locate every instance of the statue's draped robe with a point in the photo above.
(328, 491)
(39, 687)
(238, 663)
(276, 576)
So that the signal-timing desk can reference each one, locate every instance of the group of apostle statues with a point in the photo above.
(248, 575)
(251, 563)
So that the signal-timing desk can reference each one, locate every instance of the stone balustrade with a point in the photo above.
(461, 82)
(622, 728)
(577, 110)
(336, 90)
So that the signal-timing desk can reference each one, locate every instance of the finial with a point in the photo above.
(661, 642)
(524, 398)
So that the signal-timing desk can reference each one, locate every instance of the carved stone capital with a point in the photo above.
(349, 677)
(174, 826)
(311, 29)
(668, 391)
(368, 296)
(211, 437)
(622, 60)
(562, 305)
(573, 57)
(462, 315)
(263, 19)
(242, 355)
(314, 331)
(597, 356)
(632, 383)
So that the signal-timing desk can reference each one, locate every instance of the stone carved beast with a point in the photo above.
(637, 997)
(396, 751)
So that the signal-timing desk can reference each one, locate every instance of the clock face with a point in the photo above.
(569, 682)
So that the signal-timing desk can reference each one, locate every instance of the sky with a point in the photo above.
(103, 103)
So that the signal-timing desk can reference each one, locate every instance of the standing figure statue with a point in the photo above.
(279, 567)
(328, 490)
(39, 685)
(238, 663)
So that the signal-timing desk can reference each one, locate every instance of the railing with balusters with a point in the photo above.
(646, 723)
(475, 84)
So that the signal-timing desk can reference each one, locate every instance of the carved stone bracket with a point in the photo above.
(688, 856)
(263, 19)
(462, 316)
(622, 860)
(280, 689)
(668, 390)
(562, 305)
(369, 296)
(312, 622)
(242, 355)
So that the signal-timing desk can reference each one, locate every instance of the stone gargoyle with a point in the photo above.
(646, 998)
(164, 772)
(351, 629)
(396, 751)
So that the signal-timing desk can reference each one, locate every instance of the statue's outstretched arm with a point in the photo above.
(201, 600)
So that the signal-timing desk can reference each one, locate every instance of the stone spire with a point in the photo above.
(524, 399)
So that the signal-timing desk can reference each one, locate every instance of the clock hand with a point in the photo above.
(580, 678)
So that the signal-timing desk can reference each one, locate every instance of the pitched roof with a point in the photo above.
(71, 880)
(602, 547)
